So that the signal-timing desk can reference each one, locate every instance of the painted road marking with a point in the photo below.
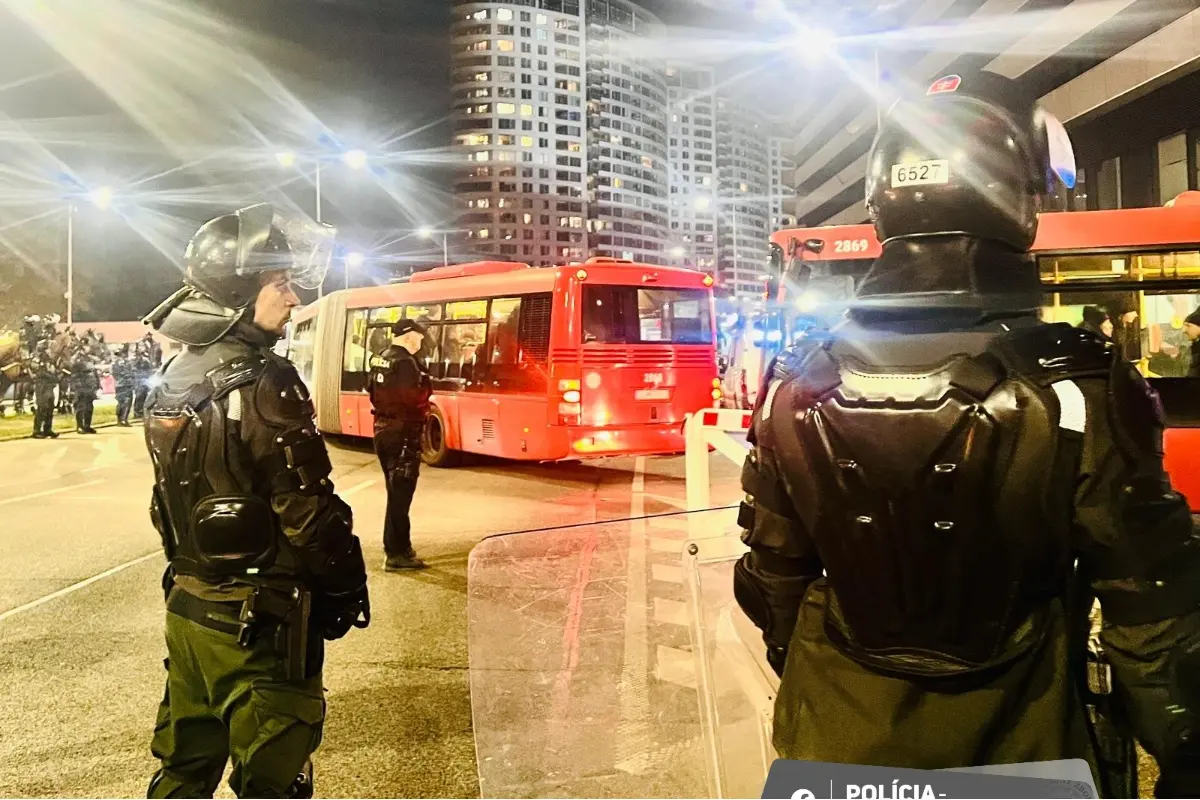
(660, 545)
(633, 731)
(48, 492)
(12, 612)
(671, 611)
(666, 573)
(358, 487)
(675, 666)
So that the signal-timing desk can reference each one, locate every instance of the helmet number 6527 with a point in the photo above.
(921, 173)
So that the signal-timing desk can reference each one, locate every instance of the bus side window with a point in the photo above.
(354, 356)
(379, 339)
(388, 314)
(504, 345)
(300, 351)
(424, 314)
(462, 349)
(430, 354)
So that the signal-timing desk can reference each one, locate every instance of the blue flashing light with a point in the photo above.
(773, 336)
(756, 336)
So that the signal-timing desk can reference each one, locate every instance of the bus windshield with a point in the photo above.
(634, 315)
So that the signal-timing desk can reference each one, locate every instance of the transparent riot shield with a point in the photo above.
(583, 672)
(737, 685)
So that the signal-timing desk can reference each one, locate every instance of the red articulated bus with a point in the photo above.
(536, 364)
(1140, 265)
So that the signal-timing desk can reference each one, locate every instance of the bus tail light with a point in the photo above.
(570, 408)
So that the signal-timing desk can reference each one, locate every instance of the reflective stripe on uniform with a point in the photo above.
(1072, 407)
(774, 387)
(235, 406)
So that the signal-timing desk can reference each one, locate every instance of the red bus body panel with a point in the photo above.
(1181, 449)
(1144, 229)
(634, 397)
(1058, 231)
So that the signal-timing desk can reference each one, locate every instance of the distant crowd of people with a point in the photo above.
(1177, 354)
(61, 371)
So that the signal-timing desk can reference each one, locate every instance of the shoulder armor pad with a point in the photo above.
(233, 374)
(1049, 353)
(781, 367)
(281, 396)
(820, 369)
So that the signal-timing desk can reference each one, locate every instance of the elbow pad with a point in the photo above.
(342, 569)
(772, 602)
(334, 555)
(1154, 572)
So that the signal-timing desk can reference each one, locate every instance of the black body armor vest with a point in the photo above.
(940, 495)
(216, 524)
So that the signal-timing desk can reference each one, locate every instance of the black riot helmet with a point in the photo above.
(225, 262)
(955, 181)
(972, 157)
(227, 255)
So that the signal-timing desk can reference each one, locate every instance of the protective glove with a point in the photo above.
(345, 611)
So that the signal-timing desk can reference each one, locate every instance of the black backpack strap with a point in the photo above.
(235, 374)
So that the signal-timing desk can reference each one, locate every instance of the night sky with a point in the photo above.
(373, 71)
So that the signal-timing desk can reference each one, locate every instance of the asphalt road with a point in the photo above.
(81, 613)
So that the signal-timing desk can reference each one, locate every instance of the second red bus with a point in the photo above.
(537, 364)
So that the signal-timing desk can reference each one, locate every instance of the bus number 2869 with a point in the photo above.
(850, 245)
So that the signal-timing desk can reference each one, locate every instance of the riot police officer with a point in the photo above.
(263, 561)
(85, 383)
(123, 380)
(143, 368)
(46, 372)
(939, 487)
(400, 390)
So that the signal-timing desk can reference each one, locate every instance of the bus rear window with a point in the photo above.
(632, 315)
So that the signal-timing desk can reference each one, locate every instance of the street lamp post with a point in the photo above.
(100, 198)
(70, 263)
(355, 159)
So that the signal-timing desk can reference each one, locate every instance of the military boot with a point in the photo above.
(407, 560)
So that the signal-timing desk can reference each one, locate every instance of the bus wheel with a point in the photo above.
(434, 451)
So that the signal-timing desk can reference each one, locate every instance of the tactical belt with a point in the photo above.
(217, 615)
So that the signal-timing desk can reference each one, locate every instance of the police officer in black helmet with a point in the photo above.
(264, 564)
(939, 487)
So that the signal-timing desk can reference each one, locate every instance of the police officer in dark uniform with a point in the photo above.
(123, 380)
(264, 563)
(31, 331)
(940, 487)
(400, 390)
(46, 372)
(143, 368)
(84, 385)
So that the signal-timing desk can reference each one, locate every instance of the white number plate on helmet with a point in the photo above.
(921, 173)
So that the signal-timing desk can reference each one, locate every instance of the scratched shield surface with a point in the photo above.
(582, 678)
